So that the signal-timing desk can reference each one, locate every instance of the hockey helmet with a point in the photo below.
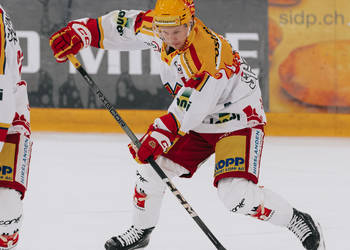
(173, 12)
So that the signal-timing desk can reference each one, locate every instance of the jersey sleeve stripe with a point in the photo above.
(101, 33)
(178, 125)
(2, 44)
(97, 35)
(203, 82)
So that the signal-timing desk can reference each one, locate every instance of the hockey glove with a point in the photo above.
(70, 40)
(158, 139)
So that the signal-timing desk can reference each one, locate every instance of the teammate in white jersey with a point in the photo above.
(15, 142)
(217, 109)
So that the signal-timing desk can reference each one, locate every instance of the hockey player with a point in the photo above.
(217, 109)
(15, 142)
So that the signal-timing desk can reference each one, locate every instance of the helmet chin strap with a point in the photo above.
(190, 27)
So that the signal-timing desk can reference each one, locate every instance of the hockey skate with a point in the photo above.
(308, 232)
(133, 238)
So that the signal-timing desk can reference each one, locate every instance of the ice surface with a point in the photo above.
(81, 186)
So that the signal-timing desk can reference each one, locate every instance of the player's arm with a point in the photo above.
(187, 111)
(160, 136)
(115, 30)
(7, 100)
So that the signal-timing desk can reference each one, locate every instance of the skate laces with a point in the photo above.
(130, 236)
(299, 227)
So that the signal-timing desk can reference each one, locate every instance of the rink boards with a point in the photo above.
(100, 120)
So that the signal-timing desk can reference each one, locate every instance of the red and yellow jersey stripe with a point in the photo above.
(205, 55)
(2, 43)
(3, 131)
(101, 33)
(97, 33)
(144, 23)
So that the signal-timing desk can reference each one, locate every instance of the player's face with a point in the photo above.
(174, 36)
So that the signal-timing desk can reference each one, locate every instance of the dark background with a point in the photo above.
(53, 85)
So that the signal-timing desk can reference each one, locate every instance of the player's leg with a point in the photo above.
(148, 195)
(14, 167)
(237, 172)
(10, 217)
(149, 191)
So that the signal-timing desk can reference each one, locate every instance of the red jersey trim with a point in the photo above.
(140, 19)
(3, 133)
(195, 58)
(95, 27)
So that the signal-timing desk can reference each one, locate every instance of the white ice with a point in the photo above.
(81, 186)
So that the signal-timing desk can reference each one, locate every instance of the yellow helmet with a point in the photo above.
(173, 12)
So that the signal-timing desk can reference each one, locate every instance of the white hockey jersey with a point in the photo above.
(214, 89)
(14, 108)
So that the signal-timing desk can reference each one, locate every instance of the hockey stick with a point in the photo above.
(137, 143)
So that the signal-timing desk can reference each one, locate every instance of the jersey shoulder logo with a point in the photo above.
(121, 21)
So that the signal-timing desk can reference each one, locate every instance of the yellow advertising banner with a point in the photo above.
(309, 56)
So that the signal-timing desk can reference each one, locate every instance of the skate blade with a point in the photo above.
(322, 245)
